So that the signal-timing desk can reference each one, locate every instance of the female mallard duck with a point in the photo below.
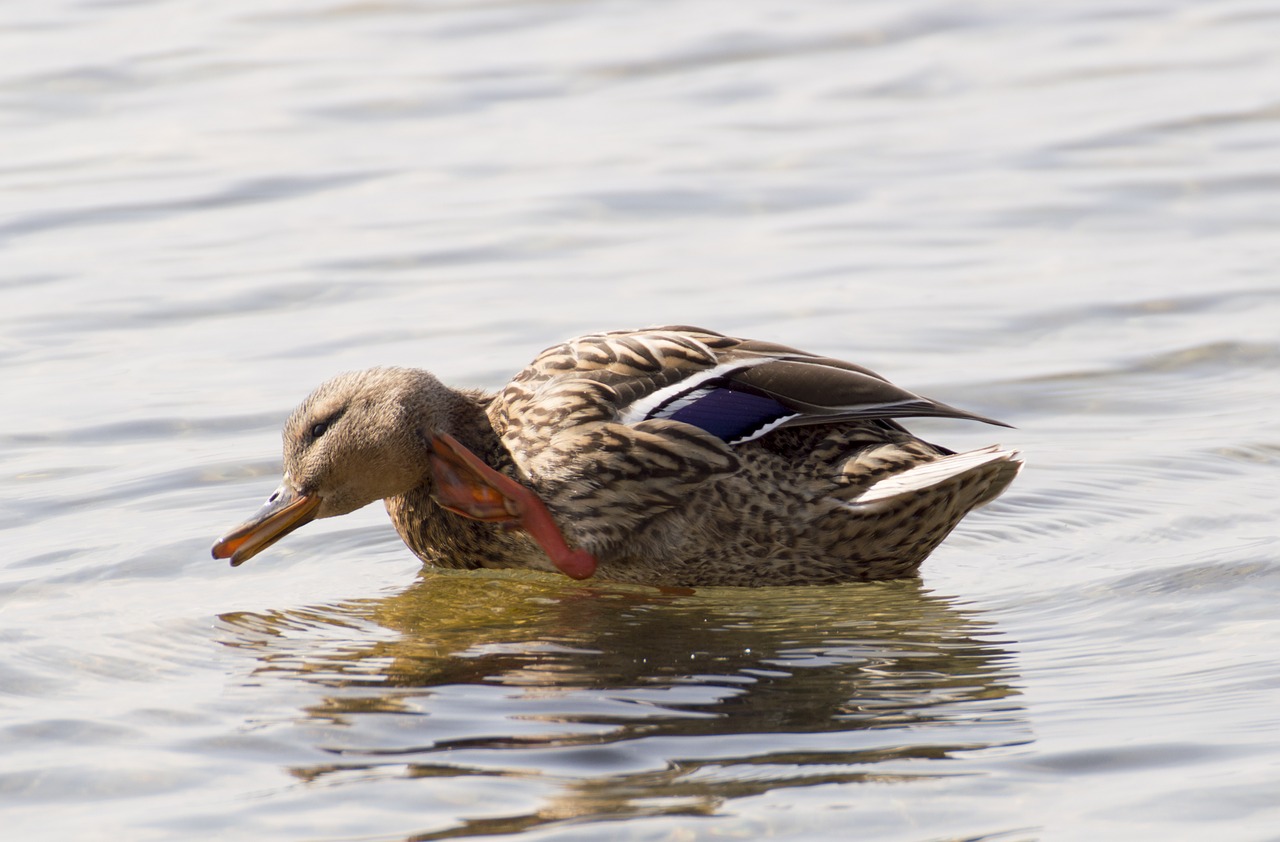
(668, 456)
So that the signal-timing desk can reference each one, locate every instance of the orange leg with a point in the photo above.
(467, 486)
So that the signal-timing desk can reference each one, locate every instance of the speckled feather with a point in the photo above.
(661, 501)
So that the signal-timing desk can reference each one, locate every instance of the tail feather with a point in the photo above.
(998, 466)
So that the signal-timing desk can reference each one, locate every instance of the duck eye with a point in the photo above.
(317, 430)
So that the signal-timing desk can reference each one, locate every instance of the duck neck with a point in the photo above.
(439, 536)
(466, 418)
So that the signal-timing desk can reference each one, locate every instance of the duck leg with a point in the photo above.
(465, 485)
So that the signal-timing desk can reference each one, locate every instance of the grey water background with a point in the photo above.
(1062, 215)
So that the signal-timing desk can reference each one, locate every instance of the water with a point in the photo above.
(1062, 216)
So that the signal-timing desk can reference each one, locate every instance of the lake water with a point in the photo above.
(1061, 215)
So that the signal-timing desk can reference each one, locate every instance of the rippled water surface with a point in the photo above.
(1062, 215)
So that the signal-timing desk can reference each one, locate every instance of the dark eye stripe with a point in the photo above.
(322, 426)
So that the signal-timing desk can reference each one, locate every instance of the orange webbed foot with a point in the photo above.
(467, 486)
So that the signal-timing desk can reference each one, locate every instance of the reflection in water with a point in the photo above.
(634, 701)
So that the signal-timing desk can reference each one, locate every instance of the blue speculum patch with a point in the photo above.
(731, 414)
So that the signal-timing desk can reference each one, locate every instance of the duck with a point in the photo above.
(668, 456)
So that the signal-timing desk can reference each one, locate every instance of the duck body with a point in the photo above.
(668, 456)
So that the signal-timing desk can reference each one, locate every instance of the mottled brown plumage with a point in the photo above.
(669, 456)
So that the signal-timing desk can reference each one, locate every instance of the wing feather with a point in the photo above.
(823, 393)
(736, 389)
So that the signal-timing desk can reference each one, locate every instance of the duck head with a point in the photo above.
(360, 437)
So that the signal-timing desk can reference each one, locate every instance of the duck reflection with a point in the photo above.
(637, 701)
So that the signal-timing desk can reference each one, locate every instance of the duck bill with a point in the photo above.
(284, 512)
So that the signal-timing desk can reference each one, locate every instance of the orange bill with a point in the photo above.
(284, 511)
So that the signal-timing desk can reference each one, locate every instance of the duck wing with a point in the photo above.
(744, 388)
